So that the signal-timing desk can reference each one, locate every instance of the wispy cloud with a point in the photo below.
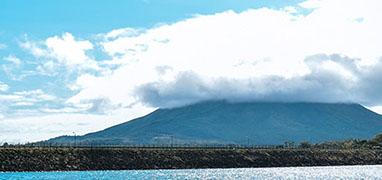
(3, 87)
(22, 103)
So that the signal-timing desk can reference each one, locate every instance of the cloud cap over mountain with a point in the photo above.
(330, 54)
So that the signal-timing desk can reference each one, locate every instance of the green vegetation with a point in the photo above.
(374, 143)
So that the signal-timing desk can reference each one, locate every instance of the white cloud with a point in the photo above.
(12, 104)
(259, 54)
(13, 59)
(42, 127)
(35, 95)
(62, 50)
(377, 109)
(29, 129)
(10, 97)
(12, 67)
(34, 48)
(18, 69)
(67, 50)
(124, 32)
(3, 87)
(312, 4)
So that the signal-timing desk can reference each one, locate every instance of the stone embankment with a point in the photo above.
(67, 159)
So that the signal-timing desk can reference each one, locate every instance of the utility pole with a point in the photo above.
(75, 139)
(172, 140)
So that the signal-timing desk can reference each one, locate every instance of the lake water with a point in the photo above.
(330, 172)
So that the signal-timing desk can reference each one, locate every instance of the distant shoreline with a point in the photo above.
(78, 159)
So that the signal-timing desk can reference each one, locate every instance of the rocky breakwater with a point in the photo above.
(67, 159)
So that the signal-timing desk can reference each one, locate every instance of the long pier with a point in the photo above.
(128, 158)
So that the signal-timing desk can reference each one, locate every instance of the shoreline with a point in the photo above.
(84, 159)
(286, 167)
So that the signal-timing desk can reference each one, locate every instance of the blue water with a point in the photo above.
(331, 172)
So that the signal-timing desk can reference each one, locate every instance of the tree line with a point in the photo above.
(374, 143)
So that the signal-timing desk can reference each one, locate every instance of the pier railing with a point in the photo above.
(172, 146)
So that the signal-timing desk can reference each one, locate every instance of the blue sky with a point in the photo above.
(46, 18)
(85, 65)
(37, 19)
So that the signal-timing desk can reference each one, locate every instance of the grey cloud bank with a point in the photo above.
(361, 85)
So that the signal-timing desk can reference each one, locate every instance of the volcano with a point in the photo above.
(223, 122)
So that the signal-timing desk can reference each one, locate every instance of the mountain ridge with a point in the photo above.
(223, 122)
